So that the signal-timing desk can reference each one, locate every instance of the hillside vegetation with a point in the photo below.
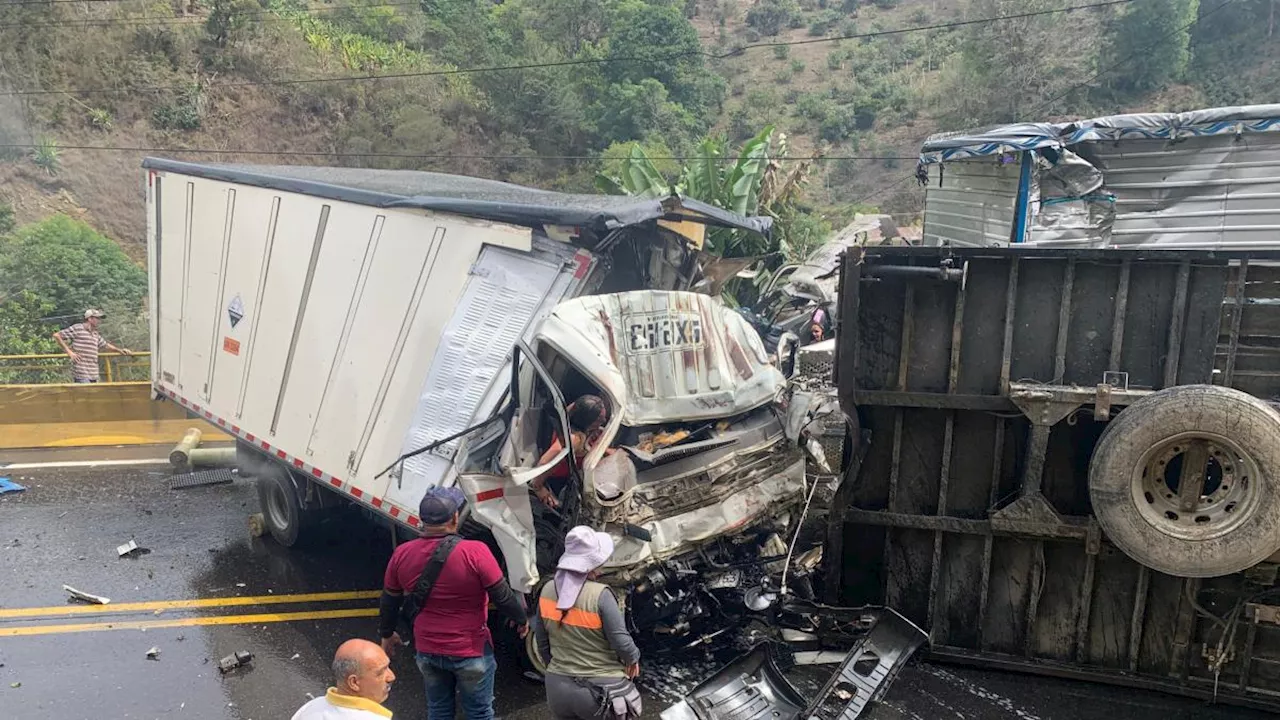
(553, 92)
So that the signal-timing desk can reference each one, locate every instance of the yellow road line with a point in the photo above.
(221, 602)
(189, 622)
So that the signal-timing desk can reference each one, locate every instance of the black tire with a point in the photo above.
(1232, 523)
(282, 509)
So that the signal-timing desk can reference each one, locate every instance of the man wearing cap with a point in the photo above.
(591, 658)
(82, 342)
(450, 632)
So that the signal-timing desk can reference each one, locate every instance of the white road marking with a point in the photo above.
(82, 464)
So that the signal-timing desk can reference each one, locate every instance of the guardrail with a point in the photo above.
(56, 368)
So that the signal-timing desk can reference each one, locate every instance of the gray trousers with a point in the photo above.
(568, 700)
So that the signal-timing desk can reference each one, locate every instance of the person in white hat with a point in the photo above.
(81, 342)
(591, 658)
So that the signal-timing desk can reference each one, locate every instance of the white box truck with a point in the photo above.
(360, 333)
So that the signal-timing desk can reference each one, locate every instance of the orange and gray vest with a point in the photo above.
(579, 647)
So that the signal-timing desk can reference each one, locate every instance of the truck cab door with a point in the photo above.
(500, 459)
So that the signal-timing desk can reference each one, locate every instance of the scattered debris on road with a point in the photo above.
(153, 653)
(864, 676)
(86, 597)
(15, 685)
(257, 525)
(8, 486)
(219, 476)
(131, 549)
(235, 660)
(296, 656)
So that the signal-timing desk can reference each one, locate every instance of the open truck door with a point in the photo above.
(499, 459)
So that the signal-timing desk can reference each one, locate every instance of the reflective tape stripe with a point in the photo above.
(574, 618)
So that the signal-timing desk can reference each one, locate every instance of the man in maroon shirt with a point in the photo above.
(451, 632)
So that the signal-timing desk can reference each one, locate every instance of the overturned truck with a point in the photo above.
(1069, 461)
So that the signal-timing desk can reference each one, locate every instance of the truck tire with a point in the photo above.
(281, 505)
(1135, 476)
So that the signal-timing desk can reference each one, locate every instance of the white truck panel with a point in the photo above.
(324, 363)
(505, 293)
(253, 225)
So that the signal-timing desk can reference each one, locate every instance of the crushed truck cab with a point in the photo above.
(694, 447)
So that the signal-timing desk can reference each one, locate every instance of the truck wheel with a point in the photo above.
(1221, 514)
(281, 507)
(531, 654)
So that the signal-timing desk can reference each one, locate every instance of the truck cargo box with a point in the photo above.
(1063, 475)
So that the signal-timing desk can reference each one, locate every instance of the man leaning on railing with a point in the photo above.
(82, 342)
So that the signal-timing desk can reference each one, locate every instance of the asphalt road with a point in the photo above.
(207, 589)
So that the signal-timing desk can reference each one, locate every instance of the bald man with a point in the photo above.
(362, 680)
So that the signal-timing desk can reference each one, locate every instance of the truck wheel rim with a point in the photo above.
(531, 650)
(277, 507)
(1230, 481)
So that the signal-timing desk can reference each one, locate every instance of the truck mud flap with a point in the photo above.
(754, 688)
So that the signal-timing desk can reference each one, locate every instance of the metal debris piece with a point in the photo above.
(234, 660)
(219, 476)
(8, 486)
(86, 597)
(131, 549)
(818, 657)
(869, 668)
(752, 686)
(153, 653)
(296, 656)
(752, 682)
(15, 685)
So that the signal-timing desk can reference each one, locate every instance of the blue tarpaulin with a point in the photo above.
(8, 486)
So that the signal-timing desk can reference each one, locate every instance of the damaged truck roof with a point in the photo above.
(468, 196)
(665, 355)
(1160, 126)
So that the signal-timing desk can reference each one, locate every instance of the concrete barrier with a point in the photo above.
(36, 416)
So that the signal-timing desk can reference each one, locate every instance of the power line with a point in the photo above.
(255, 16)
(1084, 83)
(577, 62)
(441, 156)
(56, 2)
(945, 26)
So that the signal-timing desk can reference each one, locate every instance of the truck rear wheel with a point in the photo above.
(1186, 481)
(281, 505)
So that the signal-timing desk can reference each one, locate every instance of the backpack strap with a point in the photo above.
(431, 573)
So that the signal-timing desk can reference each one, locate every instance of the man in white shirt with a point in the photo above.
(362, 680)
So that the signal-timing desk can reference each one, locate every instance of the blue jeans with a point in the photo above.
(449, 679)
(86, 380)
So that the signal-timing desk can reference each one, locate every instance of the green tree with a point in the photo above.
(1021, 69)
(1150, 44)
(23, 327)
(770, 17)
(68, 266)
(229, 20)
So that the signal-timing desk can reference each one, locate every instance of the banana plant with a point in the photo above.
(709, 178)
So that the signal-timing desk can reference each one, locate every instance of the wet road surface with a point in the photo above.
(291, 608)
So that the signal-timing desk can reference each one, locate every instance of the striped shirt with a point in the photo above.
(85, 343)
